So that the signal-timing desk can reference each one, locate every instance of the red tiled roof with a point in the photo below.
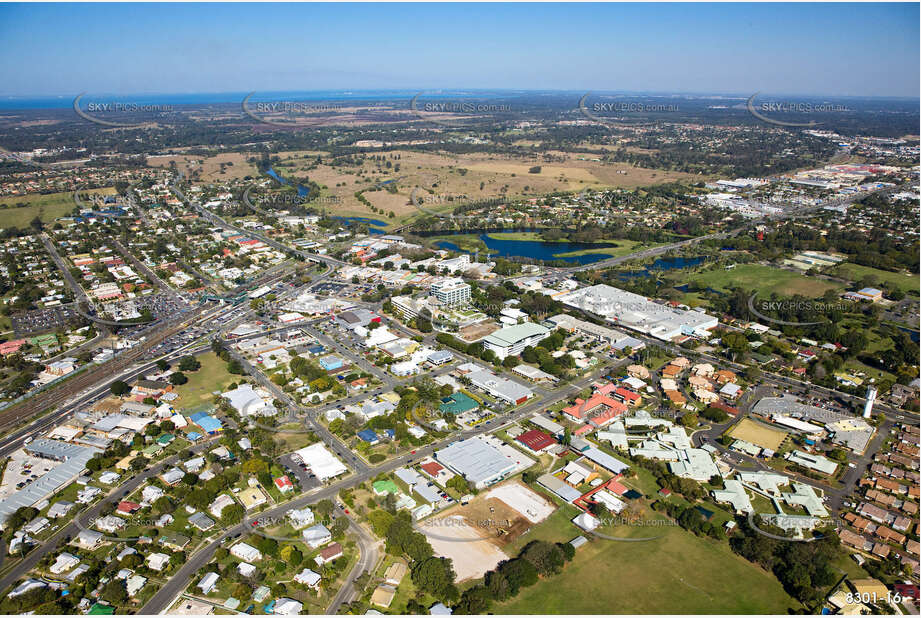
(581, 409)
(536, 440)
(617, 488)
(432, 468)
(332, 550)
(606, 389)
(728, 409)
(128, 507)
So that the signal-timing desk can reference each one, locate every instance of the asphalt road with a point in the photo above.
(70, 531)
(369, 553)
(178, 582)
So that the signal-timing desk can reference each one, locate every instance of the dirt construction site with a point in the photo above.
(473, 535)
(759, 434)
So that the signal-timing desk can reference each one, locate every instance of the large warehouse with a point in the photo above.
(511, 340)
(637, 312)
(477, 460)
(321, 462)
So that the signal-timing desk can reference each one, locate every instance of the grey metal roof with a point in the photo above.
(475, 459)
(73, 460)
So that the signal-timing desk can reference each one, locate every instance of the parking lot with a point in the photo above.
(43, 320)
(298, 472)
(22, 469)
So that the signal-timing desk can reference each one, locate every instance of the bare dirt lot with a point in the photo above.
(475, 332)
(452, 537)
(534, 508)
(758, 434)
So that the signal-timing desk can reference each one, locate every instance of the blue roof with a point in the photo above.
(193, 436)
(206, 422)
(368, 435)
(331, 363)
(390, 433)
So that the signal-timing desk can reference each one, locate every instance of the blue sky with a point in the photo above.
(829, 49)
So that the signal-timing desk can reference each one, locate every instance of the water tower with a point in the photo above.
(871, 399)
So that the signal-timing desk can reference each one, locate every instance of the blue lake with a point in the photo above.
(373, 224)
(537, 249)
(664, 264)
(302, 191)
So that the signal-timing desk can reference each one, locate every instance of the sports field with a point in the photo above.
(885, 279)
(677, 573)
(19, 211)
(212, 376)
(759, 434)
(765, 280)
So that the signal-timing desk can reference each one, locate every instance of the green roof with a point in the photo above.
(98, 609)
(166, 439)
(458, 403)
(387, 486)
(153, 449)
(510, 335)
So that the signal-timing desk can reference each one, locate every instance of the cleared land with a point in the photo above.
(756, 433)
(765, 280)
(446, 179)
(224, 166)
(886, 279)
(474, 535)
(663, 576)
(20, 210)
(211, 377)
(530, 505)
(452, 537)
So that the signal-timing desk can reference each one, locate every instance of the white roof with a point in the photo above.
(307, 577)
(586, 522)
(321, 462)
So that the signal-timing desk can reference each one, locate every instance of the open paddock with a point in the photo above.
(757, 433)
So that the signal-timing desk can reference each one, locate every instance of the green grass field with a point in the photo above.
(466, 242)
(676, 573)
(886, 279)
(212, 376)
(46, 207)
(766, 280)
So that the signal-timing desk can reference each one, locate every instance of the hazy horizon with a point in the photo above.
(831, 50)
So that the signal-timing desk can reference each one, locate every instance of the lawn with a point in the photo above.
(677, 573)
(856, 272)
(47, 207)
(765, 280)
(624, 247)
(464, 242)
(212, 376)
